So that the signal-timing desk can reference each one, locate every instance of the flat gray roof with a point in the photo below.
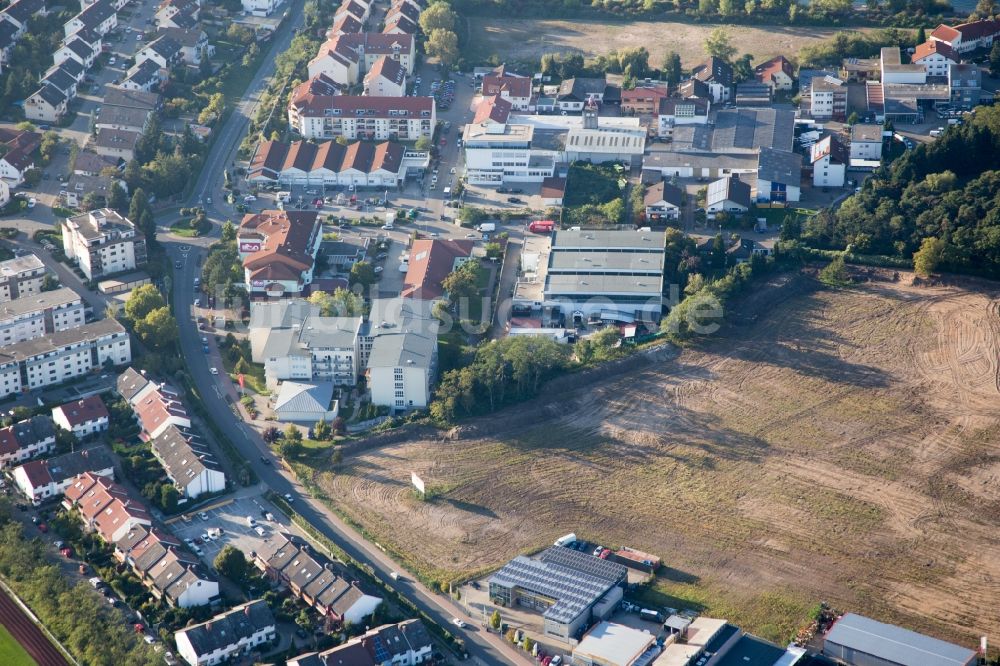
(54, 341)
(602, 285)
(601, 262)
(894, 644)
(38, 302)
(19, 265)
(601, 239)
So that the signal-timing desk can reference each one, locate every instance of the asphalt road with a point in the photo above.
(218, 392)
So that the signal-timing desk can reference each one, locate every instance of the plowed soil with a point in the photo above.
(841, 445)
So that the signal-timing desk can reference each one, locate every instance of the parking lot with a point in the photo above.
(207, 532)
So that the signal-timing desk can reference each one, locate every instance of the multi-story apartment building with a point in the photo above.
(345, 58)
(362, 117)
(828, 98)
(102, 242)
(33, 316)
(62, 355)
(20, 277)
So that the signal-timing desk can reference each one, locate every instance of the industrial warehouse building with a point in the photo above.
(569, 588)
(856, 640)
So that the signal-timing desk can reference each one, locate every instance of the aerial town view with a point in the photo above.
(500, 332)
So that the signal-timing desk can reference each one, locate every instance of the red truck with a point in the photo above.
(542, 226)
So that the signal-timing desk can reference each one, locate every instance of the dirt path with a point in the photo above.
(837, 445)
(28, 634)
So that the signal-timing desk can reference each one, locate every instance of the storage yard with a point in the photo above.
(842, 445)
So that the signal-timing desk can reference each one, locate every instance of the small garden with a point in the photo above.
(236, 358)
(194, 226)
(595, 195)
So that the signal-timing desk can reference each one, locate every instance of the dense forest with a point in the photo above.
(947, 190)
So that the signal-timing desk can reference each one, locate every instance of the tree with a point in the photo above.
(672, 68)
(339, 426)
(853, 118)
(292, 434)
(438, 16)
(363, 273)
(169, 497)
(496, 620)
(228, 232)
(743, 68)
(271, 434)
(493, 250)
(231, 563)
(341, 303)
(444, 45)
(995, 59)
(158, 329)
(984, 9)
(143, 300)
(717, 44)
(835, 273)
(424, 143)
(322, 431)
(304, 620)
(91, 201)
(50, 282)
(117, 199)
(463, 282)
(921, 35)
(929, 256)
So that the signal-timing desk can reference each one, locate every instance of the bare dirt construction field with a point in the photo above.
(837, 445)
(527, 39)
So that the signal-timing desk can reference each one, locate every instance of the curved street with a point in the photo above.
(219, 394)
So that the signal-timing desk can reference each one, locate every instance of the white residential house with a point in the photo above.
(866, 142)
(47, 104)
(26, 439)
(728, 195)
(663, 202)
(936, 57)
(401, 360)
(40, 480)
(100, 17)
(35, 316)
(829, 160)
(76, 49)
(188, 462)
(386, 78)
(83, 418)
(164, 51)
(241, 631)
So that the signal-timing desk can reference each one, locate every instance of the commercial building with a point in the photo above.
(322, 348)
(278, 250)
(611, 644)
(34, 316)
(405, 644)
(361, 117)
(856, 640)
(314, 581)
(331, 164)
(866, 143)
(239, 632)
(596, 144)
(305, 402)
(43, 479)
(26, 439)
(569, 588)
(498, 151)
(616, 276)
(62, 355)
(779, 177)
(83, 418)
(828, 98)
(102, 242)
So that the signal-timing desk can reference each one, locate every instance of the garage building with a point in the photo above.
(856, 640)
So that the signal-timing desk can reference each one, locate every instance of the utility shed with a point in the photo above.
(860, 641)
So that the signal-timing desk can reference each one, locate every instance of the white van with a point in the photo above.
(283, 197)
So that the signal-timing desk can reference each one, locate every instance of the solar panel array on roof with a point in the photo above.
(573, 590)
(594, 566)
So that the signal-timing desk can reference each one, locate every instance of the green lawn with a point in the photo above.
(11, 652)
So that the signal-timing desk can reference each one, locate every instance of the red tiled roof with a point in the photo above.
(765, 71)
(945, 33)
(932, 46)
(81, 411)
(156, 408)
(495, 109)
(408, 26)
(286, 240)
(362, 106)
(37, 473)
(388, 69)
(499, 81)
(978, 29)
(430, 262)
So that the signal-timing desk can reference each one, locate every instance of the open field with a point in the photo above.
(838, 446)
(523, 39)
(11, 652)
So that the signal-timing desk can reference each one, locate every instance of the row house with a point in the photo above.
(164, 51)
(27, 439)
(314, 581)
(48, 104)
(76, 49)
(359, 164)
(170, 573)
(100, 17)
(241, 631)
(40, 480)
(177, 14)
(194, 44)
(62, 356)
(104, 506)
(386, 79)
(145, 76)
(404, 644)
(19, 155)
(188, 462)
(400, 24)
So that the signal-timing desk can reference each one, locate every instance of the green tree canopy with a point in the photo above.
(143, 300)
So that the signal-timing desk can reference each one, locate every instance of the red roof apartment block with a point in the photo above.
(430, 263)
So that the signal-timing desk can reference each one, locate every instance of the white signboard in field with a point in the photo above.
(417, 482)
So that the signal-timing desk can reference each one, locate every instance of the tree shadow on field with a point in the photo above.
(469, 507)
(803, 342)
